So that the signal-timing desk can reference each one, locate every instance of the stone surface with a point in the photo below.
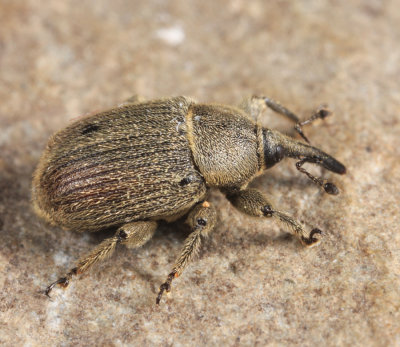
(252, 284)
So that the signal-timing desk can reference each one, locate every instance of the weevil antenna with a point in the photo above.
(329, 187)
(277, 146)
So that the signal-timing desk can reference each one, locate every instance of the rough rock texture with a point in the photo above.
(253, 284)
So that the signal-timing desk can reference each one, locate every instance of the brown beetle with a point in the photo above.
(133, 165)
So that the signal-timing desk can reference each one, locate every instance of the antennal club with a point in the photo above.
(321, 113)
(329, 188)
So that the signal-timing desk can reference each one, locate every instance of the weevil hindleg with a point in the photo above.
(132, 235)
(202, 220)
(254, 203)
(255, 105)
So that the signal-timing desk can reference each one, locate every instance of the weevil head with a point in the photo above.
(273, 153)
(278, 146)
(274, 145)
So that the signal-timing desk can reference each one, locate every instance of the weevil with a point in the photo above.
(146, 161)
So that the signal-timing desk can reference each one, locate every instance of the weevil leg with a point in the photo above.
(202, 220)
(132, 235)
(255, 105)
(254, 203)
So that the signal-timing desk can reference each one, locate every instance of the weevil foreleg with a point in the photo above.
(202, 220)
(132, 235)
(254, 107)
(254, 203)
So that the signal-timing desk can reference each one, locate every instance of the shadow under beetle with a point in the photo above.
(141, 162)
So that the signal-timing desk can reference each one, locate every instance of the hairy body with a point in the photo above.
(131, 166)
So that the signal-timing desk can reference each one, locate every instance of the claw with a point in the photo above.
(48, 290)
(166, 286)
(63, 281)
(311, 240)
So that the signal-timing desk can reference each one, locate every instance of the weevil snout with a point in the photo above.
(332, 164)
(277, 146)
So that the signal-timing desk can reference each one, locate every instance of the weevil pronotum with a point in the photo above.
(142, 162)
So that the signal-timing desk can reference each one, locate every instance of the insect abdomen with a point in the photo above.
(119, 166)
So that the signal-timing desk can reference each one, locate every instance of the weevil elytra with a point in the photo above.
(131, 166)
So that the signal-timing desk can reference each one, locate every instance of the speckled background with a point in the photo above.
(253, 283)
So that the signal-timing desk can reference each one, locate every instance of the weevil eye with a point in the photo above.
(273, 155)
(279, 154)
